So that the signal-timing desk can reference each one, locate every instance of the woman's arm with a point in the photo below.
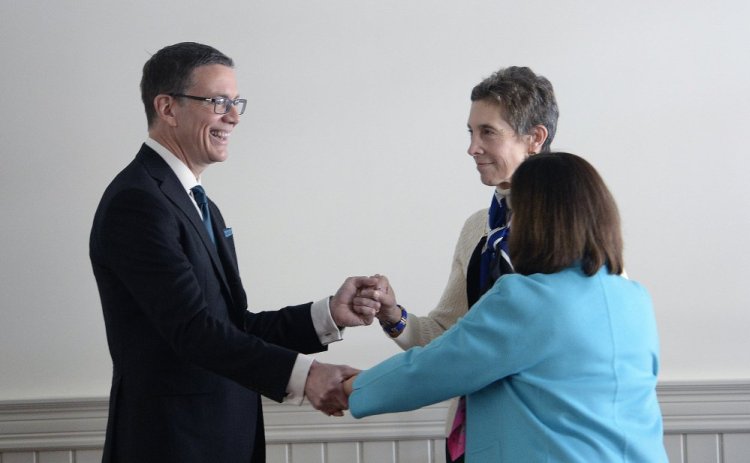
(500, 336)
(453, 303)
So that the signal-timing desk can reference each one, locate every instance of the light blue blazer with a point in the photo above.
(556, 368)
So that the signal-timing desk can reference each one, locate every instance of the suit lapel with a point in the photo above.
(228, 257)
(173, 190)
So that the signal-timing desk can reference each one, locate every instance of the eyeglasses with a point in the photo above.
(222, 105)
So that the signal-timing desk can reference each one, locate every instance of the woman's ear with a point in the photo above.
(164, 107)
(538, 136)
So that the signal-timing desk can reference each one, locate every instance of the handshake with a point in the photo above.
(325, 387)
(358, 302)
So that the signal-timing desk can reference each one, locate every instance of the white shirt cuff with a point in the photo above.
(323, 322)
(327, 332)
(295, 389)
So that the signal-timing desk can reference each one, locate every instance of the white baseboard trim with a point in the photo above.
(699, 407)
(292, 424)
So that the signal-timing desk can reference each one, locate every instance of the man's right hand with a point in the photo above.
(325, 387)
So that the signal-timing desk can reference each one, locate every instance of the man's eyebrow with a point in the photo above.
(225, 95)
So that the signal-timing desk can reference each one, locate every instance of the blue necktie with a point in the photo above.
(202, 200)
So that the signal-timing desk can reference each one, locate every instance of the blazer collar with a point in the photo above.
(172, 188)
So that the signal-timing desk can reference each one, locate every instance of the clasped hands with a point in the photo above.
(357, 302)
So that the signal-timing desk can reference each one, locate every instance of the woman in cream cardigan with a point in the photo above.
(513, 115)
(559, 360)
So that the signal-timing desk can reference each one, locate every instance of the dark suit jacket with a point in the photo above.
(189, 359)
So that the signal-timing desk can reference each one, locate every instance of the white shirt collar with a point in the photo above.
(500, 194)
(183, 173)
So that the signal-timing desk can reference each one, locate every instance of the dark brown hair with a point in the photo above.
(563, 213)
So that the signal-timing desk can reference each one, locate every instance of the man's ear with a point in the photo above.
(538, 135)
(164, 106)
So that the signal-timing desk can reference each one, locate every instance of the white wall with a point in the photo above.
(351, 157)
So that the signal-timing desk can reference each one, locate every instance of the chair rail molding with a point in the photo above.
(692, 407)
(688, 407)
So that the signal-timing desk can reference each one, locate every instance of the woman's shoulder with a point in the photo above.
(473, 230)
(572, 280)
(476, 224)
(540, 283)
(478, 217)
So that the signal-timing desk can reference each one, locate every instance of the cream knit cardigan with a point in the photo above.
(453, 303)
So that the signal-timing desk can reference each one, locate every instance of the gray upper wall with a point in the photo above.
(351, 157)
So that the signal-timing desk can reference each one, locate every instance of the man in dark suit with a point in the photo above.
(190, 361)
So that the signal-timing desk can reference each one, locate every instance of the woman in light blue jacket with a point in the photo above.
(558, 361)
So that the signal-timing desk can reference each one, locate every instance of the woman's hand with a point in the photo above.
(383, 294)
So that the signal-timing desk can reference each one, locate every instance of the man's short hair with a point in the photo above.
(170, 70)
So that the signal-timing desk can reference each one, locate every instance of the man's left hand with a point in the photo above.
(345, 312)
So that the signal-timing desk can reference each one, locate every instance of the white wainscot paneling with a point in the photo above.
(704, 422)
